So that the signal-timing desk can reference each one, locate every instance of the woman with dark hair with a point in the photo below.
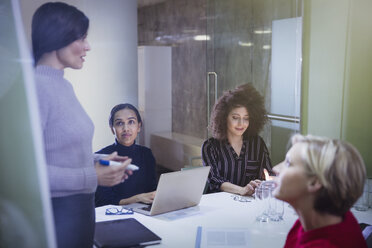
(321, 179)
(236, 153)
(59, 34)
(125, 123)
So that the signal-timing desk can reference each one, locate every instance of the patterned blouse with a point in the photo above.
(227, 166)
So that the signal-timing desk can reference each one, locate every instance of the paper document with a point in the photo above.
(221, 237)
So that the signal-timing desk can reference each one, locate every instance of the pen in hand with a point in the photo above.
(131, 167)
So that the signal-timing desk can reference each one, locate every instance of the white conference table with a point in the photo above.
(218, 210)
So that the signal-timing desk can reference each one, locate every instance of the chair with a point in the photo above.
(367, 233)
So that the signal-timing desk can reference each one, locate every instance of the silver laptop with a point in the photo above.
(176, 190)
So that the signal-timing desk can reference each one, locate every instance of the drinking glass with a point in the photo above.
(261, 198)
(276, 208)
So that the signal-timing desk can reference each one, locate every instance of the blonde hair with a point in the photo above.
(340, 169)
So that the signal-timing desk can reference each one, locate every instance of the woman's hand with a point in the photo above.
(146, 197)
(113, 175)
(255, 183)
(249, 189)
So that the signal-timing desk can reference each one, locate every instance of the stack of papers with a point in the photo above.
(222, 237)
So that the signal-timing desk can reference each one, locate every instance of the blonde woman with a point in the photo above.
(322, 179)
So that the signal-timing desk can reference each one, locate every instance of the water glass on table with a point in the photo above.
(261, 197)
(274, 208)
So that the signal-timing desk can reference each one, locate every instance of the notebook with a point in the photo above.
(123, 233)
(176, 190)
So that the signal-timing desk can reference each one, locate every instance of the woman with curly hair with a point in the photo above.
(236, 153)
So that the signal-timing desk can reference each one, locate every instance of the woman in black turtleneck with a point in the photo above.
(125, 123)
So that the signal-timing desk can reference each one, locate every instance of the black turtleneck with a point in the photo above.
(142, 181)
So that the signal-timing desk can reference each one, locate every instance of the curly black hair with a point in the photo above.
(242, 96)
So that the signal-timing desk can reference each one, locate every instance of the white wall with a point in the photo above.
(155, 90)
(109, 75)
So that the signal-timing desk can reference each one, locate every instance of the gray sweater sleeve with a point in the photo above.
(67, 134)
(72, 180)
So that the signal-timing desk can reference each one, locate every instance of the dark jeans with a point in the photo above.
(74, 220)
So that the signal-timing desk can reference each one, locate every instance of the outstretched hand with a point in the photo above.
(113, 175)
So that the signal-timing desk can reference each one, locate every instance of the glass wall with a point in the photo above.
(25, 211)
(258, 41)
(231, 41)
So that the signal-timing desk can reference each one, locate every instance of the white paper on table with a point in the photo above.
(208, 237)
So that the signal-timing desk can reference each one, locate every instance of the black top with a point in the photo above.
(227, 166)
(142, 180)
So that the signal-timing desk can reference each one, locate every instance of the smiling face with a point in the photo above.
(292, 179)
(126, 126)
(72, 56)
(237, 122)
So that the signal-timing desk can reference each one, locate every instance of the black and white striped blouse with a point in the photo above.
(227, 166)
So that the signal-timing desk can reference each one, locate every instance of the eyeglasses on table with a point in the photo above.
(118, 211)
(240, 198)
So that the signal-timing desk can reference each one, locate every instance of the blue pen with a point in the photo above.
(108, 162)
(131, 167)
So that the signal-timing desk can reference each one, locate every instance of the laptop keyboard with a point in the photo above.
(147, 208)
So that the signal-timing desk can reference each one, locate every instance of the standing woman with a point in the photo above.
(321, 179)
(59, 34)
(236, 153)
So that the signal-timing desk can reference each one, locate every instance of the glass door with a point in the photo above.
(258, 41)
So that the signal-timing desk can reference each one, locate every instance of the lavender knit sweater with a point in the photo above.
(67, 132)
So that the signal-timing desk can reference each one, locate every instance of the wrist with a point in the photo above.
(241, 191)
